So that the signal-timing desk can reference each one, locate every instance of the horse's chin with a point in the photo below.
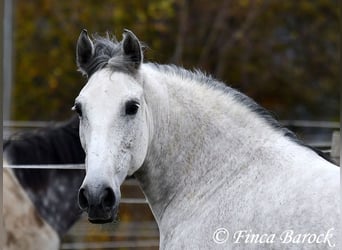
(101, 221)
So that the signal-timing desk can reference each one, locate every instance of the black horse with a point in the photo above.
(54, 191)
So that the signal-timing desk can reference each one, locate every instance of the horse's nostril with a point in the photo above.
(102, 198)
(108, 199)
(83, 199)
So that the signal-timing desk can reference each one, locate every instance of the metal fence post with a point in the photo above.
(335, 147)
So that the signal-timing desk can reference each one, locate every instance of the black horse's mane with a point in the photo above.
(58, 144)
(54, 192)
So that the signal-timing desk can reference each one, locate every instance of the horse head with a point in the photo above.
(113, 117)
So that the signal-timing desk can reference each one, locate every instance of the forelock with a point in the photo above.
(108, 53)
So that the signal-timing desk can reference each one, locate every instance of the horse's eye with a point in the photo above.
(78, 108)
(131, 107)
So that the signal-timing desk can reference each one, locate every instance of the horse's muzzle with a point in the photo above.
(99, 203)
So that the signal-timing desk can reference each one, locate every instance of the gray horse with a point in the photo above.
(218, 172)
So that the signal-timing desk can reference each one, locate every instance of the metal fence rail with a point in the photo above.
(310, 124)
(26, 124)
(47, 166)
(291, 123)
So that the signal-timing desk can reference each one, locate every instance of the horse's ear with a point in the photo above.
(84, 51)
(132, 48)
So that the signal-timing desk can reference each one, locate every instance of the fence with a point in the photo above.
(137, 229)
(323, 135)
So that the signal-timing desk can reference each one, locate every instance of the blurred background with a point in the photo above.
(283, 54)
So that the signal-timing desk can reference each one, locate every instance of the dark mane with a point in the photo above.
(54, 192)
(58, 144)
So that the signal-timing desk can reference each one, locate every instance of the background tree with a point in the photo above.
(284, 54)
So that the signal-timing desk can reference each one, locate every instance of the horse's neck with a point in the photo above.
(203, 139)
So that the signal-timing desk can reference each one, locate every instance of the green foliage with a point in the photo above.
(46, 81)
(282, 53)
